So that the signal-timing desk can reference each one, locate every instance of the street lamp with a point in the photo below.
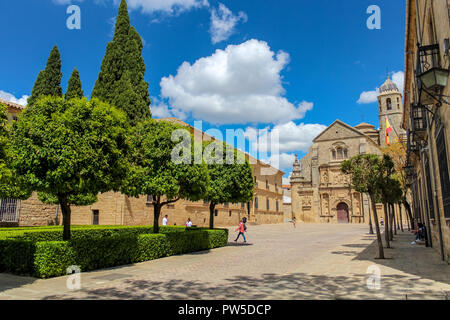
(435, 79)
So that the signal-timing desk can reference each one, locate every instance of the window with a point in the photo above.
(276, 187)
(242, 205)
(267, 184)
(334, 154)
(345, 154)
(229, 213)
(216, 212)
(340, 153)
(277, 205)
(149, 198)
(267, 204)
(443, 169)
(95, 217)
(256, 202)
(9, 210)
(388, 104)
(256, 182)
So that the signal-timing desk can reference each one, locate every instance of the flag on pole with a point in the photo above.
(388, 129)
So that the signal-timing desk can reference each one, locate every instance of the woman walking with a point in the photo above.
(241, 229)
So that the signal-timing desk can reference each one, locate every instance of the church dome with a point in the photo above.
(388, 85)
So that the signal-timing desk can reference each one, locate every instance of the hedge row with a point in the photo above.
(46, 259)
(77, 232)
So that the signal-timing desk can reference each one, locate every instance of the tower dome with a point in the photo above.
(388, 86)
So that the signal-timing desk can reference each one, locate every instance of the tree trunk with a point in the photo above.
(65, 209)
(370, 222)
(400, 216)
(377, 227)
(212, 206)
(395, 219)
(386, 225)
(391, 223)
(408, 211)
(156, 213)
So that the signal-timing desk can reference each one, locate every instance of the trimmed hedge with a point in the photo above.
(99, 248)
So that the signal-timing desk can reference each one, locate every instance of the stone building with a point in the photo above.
(287, 209)
(427, 116)
(114, 208)
(320, 191)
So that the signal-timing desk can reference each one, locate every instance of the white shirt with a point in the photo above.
(164, 222)
(189, 224)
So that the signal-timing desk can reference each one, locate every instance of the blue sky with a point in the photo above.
(291, 64)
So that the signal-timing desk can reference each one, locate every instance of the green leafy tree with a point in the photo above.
(70, 150)
(155, 169)
(74, 89)
(11, 185)
(121, 79)
(385, 186)
(365, 172)
(231, 182)
(48, 82)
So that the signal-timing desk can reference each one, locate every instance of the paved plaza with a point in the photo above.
(311, 261)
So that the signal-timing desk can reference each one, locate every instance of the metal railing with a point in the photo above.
(9, 210)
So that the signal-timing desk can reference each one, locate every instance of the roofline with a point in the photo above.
(12, 104)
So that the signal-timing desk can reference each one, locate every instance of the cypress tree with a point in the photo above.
(74, 88)
(121, 79)
(48, 81)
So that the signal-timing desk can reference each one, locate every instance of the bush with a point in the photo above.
(95, 248)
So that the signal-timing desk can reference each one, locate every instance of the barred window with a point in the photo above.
(443, 170)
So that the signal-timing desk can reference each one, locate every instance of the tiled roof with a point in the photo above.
(12, 104)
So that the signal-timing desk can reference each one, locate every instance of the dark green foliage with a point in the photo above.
(231, 182)
(48, 82)
(74, 88)
(90, 250)
(121, 79)
(70, 150)
(11, 185)
(153, 171)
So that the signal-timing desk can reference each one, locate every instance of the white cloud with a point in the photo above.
(11, 98)
(241, 84)
(372, 96)
(223, 23)
(287, 180)
(399, 79)
(368, 96)
(150, 6)
(291, 137)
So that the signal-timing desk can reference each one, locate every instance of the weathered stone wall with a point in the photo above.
(35, 213)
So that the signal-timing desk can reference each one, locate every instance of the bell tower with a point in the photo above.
(390, 106)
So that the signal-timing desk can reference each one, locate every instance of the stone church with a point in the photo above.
(320, 192)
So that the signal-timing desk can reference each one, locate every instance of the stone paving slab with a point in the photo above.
(312, 261)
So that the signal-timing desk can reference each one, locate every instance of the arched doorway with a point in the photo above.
(342, 213)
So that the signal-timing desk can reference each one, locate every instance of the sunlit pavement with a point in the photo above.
(311, 261)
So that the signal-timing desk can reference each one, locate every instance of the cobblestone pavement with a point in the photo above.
(312, 261)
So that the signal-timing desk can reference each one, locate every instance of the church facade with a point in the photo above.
(320, 192)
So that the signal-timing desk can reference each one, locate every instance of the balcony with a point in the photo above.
(413, 145)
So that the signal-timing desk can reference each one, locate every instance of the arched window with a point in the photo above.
(339, 152)
(256, 202)
(333, 152)
(388, 104)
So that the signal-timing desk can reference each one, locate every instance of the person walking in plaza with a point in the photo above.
(294, 221)
(188, 223)
(164, 220)
(241, 230)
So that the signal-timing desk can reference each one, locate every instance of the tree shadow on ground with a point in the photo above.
(416, 260)
(238, 244)
(296, 286)
(12, 281)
